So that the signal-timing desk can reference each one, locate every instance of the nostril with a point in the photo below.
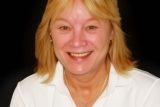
(78, 43)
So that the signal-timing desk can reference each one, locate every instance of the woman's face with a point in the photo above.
(80, 40)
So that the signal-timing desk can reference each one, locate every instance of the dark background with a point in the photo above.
(20, 18)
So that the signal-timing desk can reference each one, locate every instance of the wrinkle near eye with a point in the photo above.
(92, 27)
(64, 28)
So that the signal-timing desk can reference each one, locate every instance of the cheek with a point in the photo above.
(100, 40)
(58, 44)
(106, 37)
(60, 40)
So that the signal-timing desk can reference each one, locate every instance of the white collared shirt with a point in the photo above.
(137, 89)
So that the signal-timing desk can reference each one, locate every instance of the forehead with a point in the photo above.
(75, 9)
(74, 13)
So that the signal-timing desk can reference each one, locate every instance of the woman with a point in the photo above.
(83, 61)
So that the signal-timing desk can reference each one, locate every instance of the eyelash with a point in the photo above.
(67, 28)
(64, 28)
(91, 27)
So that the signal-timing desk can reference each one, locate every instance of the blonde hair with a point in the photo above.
(119, 54)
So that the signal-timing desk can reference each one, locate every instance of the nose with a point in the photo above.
(78, 39)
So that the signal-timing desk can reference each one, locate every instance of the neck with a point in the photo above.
(87, 87)
(85, 81)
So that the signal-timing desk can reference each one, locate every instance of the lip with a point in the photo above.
(81, 55)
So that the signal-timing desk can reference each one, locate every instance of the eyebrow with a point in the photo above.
(63, 19)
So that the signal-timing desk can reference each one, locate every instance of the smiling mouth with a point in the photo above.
(80, 54)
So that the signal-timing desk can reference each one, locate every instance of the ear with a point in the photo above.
(111, 35)
(50, 35)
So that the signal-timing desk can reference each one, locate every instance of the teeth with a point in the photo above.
(79, 54)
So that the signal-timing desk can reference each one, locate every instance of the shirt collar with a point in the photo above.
(115, 79)
(58, 80)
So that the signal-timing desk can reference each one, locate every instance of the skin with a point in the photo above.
(81, 44)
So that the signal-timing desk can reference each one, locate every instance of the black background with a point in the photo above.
(20, 18)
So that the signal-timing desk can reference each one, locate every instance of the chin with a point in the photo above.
(77, 71)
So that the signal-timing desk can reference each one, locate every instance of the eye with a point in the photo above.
(91, 28)
(64, 28)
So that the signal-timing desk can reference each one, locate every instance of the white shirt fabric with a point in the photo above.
(137, 89)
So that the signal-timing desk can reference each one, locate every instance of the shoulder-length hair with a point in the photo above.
(119, 54)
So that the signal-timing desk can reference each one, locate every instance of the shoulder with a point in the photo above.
(32, 91)
(31, 84)
(31, 80)
(143, 80)
(141, 76)
(146, 86)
